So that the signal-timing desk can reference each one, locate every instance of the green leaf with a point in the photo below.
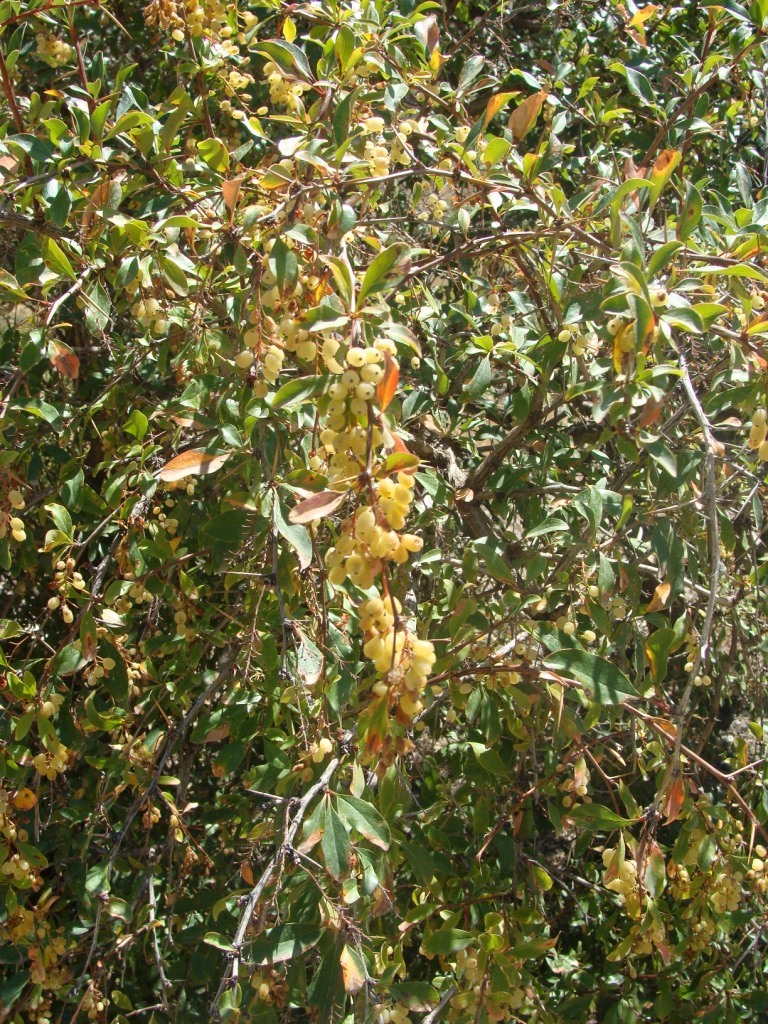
(284, 265)
(493, 554)
(365, 819)
(288, 57)
(61, 518)
(297, 391)
(707, 852)
(173, 273)
(296, 535)
(446, 941)
(215, 154)
(342, 275)
(690, 214)
(218, 941)
(529, 949)
(595, 817)
(55, 258)
(335, 843)
(603, 680)
(284, 942)
(379, 273)
(480, 382)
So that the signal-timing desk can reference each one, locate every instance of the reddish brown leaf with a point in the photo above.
(246, 873)
(673, 801)
(219, 732)
(315, 507)
(64, 360)
(651, 412)
(192, 463)
(523, 117)
(388, 383)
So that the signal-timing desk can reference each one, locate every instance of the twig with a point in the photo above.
(267, 875)
(10, 95)
(226, 662)
(709, 495)
(436, 1014)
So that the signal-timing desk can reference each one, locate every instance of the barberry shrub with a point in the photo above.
(382, 511)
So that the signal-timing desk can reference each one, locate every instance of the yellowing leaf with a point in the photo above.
(315, 507)
(660, 597)
(352, 970)
(523, 117)
(24, 799)
(192, 463)
(495, 103)
(641, 16)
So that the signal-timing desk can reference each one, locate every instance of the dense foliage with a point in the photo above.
(382, 511)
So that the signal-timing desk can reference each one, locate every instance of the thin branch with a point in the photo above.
(434, 1015)
(709, 497)
(268, 874)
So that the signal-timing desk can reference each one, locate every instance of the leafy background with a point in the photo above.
(553, 219)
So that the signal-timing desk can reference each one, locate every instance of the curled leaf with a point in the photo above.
(192, 463)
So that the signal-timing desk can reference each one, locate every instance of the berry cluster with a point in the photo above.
(758, 870)
(66, 581)
(8, 520)
(52, 762)
(150, 315)
(53, 51)
(284, 90)
(620, 876)
(401, 658)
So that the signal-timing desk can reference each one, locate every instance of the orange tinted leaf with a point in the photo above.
(523, 117)
(651, 412)
(352, 970)
(674, 799)
(388, 383)
(64, 360)
(660, 597)
(495, 103)
(24, 799)
(246, 873)
(192, 463)
(315, 507)
(219, 732)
